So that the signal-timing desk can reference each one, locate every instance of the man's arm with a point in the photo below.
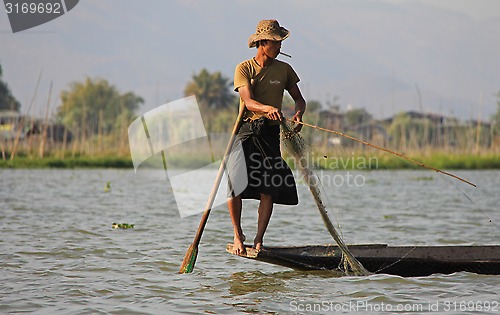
(271, 112)
(300, 105)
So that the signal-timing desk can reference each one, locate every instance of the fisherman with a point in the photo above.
(261, 82)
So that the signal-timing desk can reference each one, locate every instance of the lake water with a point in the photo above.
(59, 254)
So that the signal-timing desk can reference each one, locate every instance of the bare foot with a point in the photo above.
(238, 247)
(257, 245)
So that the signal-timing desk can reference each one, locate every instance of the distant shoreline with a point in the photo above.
(76, 162)
(352, 162)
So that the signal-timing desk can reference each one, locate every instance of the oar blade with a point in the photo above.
(189, 259)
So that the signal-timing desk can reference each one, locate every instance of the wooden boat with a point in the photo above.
(405, 261)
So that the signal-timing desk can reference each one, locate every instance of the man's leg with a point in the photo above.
(265, 211)
(234, 204)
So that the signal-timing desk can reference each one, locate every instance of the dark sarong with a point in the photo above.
(267, 172)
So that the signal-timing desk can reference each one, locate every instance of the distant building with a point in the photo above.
(12, 124)
(332, 120)
(438, 131)
(9, 124)
(435, 118)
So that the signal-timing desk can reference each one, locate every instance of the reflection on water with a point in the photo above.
(242, 283)
(59, 254)
(245, 282)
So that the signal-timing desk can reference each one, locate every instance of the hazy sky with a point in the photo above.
(372, 54)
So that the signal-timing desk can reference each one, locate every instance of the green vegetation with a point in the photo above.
(107, 188)
(90, 130)
(462, 161)
(496, 118)
(76, 162)
(384, 161)
(218, 104)
(358, 116)
(7, 101)
(122, 226)
(211, 89)
(98, 106)
(95, 111)
(348, 162)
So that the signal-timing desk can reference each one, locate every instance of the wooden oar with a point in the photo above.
(192, 252)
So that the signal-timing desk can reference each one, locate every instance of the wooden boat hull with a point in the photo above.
(405, 261)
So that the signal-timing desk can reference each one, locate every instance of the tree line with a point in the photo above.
(7, 100)
(97, 116)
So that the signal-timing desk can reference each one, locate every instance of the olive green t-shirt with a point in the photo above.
(267, 84)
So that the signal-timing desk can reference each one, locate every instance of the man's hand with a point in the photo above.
(274, 114)
(297, 118)
(300, 106)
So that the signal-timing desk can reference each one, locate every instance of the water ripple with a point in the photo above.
(59, 254)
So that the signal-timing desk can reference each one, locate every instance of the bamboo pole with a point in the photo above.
(83, 129)
(21, 121)
(384, 149)
(3, 148)
(100, 130)
(65, 139)
(41, 149)
(32, 136)
(478, 125)
(74, 143)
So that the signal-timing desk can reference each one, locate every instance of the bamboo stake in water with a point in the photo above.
(22, 120)
(41, 149)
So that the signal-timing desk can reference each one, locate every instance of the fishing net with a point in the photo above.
(296, 147)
